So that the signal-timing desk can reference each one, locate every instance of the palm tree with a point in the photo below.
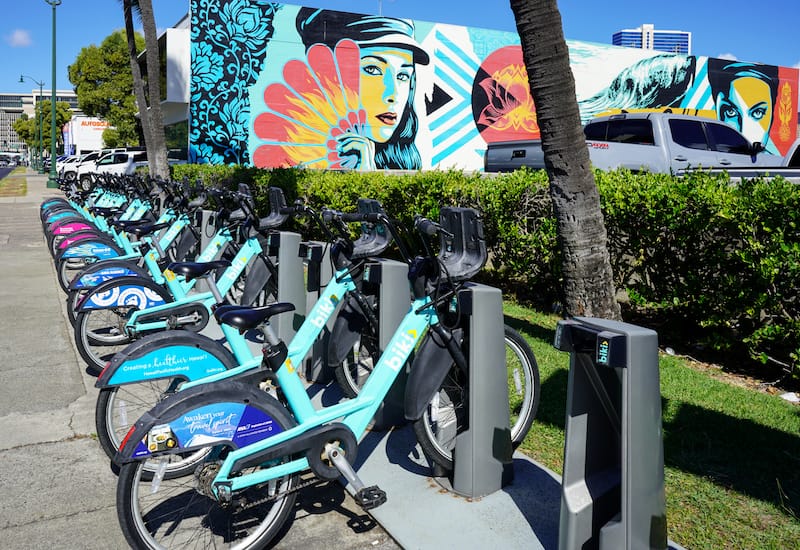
(152, 118)
(588, 282)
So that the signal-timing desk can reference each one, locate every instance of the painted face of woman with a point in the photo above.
(748, 107)
(385, 85)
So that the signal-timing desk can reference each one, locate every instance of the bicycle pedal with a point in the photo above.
(370, 497)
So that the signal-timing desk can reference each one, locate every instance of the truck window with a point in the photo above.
(794, 162)
(727, 140)
(637, 131)
(688, 133)
(595, 131)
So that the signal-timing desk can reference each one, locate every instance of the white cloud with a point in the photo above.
(728, 56)
(19, 38)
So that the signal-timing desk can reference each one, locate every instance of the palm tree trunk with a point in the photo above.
(138, 82)
(588, 282)
(157, 148)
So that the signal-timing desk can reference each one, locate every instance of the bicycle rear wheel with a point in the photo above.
(100, 333)
(181, 512)
(119, 407)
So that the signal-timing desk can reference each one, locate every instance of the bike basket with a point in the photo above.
(375, 237)
(462, 252)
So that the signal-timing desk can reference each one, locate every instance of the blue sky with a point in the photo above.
(741, 29)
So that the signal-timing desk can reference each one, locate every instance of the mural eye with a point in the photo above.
(404, 77)
(758, 113)
(373, 70)
(729, 111)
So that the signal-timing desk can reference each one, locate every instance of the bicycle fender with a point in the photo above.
(79, 237)
(227, 413)
(429, 369)
(70, 227)
(98, 248)
(171, 354)
(345, 332)
(125, 291)
(100, 272)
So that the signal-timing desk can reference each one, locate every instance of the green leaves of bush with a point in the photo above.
(697, 251)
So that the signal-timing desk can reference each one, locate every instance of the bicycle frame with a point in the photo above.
(180, 289)
(354, 413)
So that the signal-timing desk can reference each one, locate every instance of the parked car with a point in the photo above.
(62, 164)
(118, 163)
(85, 164)
(652, 142)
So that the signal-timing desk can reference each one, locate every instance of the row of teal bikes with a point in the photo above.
(172, 290)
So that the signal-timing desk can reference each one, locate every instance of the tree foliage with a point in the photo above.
(104, 85)
(28, 130)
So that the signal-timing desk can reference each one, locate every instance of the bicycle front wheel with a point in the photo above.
(446, 415)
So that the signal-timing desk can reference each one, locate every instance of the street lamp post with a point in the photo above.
(52, 181)
(37, 164)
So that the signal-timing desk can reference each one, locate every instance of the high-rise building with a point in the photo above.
(647, 37)
(12, 107)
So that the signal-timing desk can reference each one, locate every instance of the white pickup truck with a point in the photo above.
(119, 163)
(789, 169)
(651, 142)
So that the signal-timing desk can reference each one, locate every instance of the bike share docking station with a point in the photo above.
(612, 493)
(482, 458)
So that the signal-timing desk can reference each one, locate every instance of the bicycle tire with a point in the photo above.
(178, 515)
(73, 299)
(99, 334)
(117, 409)
(446, 415)
(352, 373)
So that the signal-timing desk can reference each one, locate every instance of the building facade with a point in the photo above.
(276, 85)
(13, 106)
(647, 37)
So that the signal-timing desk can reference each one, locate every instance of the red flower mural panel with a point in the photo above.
(318, 102)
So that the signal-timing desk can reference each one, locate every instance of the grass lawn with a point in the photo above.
(732, 454)
(15, 184)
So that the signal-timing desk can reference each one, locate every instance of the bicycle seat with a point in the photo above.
(375, 238)
(246, 318)
(462, 252)
(191, 270)
(146, 229)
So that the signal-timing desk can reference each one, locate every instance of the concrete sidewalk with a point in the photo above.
(57, 485)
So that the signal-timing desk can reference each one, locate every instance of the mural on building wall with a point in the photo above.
(283, 85)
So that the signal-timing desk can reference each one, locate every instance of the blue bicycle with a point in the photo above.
(255, 447)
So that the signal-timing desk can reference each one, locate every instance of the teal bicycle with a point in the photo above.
(118, 311)
(157, 365)
(256, 446)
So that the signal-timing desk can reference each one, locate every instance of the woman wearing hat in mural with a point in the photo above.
(351, 106)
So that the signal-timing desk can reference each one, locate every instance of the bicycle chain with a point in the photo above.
(300, 486)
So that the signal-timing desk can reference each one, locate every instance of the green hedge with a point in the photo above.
(719, 261)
